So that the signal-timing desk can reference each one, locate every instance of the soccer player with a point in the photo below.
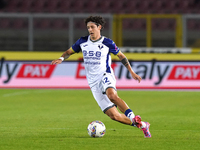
(96, 51)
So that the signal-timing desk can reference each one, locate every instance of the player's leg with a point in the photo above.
(108, 107)
(115, 115)
(108, 87)
(123, 107)
(113, 96)
(131, 119)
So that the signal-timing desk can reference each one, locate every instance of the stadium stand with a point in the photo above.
(108, 6)
(112, 6)
(99, 6)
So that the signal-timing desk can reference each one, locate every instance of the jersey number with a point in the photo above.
(106, 80)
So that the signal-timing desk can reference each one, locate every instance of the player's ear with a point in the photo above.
(100, 27)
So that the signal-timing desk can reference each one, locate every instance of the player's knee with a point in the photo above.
(112, 97)
(115, 117)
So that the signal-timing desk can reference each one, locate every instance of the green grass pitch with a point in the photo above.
(57, 119)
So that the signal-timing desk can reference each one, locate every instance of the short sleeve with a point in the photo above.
(112, 46)
(76, 46)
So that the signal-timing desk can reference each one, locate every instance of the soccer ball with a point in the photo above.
(96, 129)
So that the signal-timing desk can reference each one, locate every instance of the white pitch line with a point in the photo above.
(42, 91)
(15, 94)
(23, 93)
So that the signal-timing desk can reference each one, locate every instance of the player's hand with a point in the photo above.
(57, 61)
(136, 77)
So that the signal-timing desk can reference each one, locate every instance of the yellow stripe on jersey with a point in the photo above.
(118, 53)
(72, 49)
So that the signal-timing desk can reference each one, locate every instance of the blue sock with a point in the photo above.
(129, 113)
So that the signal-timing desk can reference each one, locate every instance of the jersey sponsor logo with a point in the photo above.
(92, 55)
(35, 71)
(181, 72)
(92, 63)
(80, 71)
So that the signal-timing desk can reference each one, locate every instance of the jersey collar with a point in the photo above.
(96, 40)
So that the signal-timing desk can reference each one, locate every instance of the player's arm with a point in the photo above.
(126, 63)
(64, 56)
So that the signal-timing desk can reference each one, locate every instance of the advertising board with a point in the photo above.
(71, 74)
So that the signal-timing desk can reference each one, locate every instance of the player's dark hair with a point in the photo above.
(98, 20)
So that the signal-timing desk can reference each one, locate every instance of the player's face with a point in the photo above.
(94, 30)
